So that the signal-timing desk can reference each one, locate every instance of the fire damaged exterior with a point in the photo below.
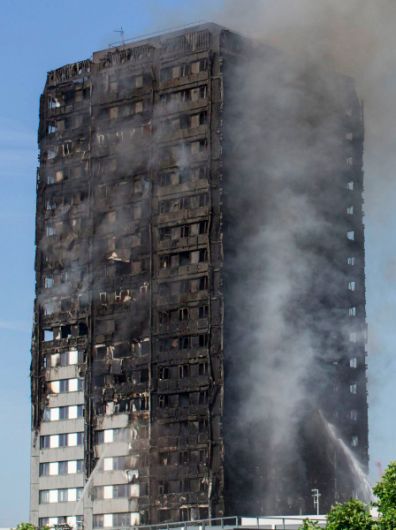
(144, 338)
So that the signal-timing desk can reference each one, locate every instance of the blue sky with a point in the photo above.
(37, 36)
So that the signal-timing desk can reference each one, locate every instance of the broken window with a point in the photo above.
(184, 342)
(203, 397)
(183, 313)
(53, 102)
(164, 262)
(51, 127)
(203, 340)
(48, 335)
(165, 232)
(103, 297)
(163, 400)
(163, 372)
(203, 368)
(198, 146)
(67, 148)
(184, 371)
(48, 282)
(203, 311)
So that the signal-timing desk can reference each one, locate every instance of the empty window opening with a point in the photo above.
(184, 371)
(183, 313)
(48, 335)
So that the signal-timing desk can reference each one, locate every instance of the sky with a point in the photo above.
(40, 35)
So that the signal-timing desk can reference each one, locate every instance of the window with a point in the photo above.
(350, 185)
(44, 496)
(203, 311)
(138, 81)
(353, 415)
(352, 285)
(353, 362)
(50, 230)
(183, 313)
(351, 260)
(48, 334)
(203, 368)
(203, 341)
(184, 371)
(203, 227)
(165, 233)
(354, 441)
(67, 148)
(138, 107)
(349, 161)
(352, 311)
(44, 469)
(48, 282)
(350, 210)
(162, 400)
(203, 397)
(351, 235)
(353, 336)
(63, 495)
(163, 372)
(184, 231)
(353, 388)
(203, 283)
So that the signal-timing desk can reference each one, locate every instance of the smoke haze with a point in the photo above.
(356, 38)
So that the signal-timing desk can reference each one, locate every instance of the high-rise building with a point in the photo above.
(199, 332)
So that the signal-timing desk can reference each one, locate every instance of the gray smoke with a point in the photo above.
(356, 38)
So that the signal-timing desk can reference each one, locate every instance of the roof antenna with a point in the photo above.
(122, 34)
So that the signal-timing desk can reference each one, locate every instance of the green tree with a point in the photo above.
(385, 490)
(26, 526)
(352, 515)
(308, 524)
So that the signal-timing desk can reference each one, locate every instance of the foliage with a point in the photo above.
(308, 524)
(385, 490)
(26, 526)
(352, 515)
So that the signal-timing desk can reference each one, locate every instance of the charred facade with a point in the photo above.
(141, 351)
